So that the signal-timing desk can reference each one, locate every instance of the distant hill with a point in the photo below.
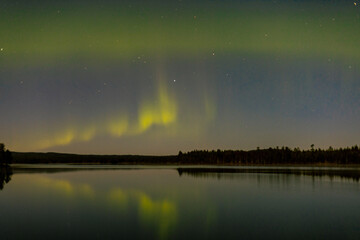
(51, 157)
(277, 155)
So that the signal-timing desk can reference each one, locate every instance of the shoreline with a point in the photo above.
(194, 165)
(349, 157)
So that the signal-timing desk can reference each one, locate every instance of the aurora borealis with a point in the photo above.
(134, 77)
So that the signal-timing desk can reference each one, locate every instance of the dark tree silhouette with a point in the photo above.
(276, 155)
(5, 155)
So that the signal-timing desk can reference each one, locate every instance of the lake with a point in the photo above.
(179, 202)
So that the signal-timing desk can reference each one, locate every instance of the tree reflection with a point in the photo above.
(236, 173)
(5, 175)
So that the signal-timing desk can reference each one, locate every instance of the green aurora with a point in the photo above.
(155, 78)
(118, 32)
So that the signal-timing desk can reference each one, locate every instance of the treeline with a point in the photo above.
(277, 155)
(90, 159)
(5, 169)
(5, 155)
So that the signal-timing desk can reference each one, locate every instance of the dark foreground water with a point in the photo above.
(103, 202)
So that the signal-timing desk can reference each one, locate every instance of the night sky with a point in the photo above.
(156, 77)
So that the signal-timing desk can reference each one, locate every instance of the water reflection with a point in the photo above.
(158, 214)
(5, 175)
(62, 187)
(352, 174)
(180, 203)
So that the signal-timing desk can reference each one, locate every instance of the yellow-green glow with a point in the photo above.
(154, 78)
(86, 190)
(65, 137)
(118, 126)
(59, 186)
(160, 111)
(162, 213)
(60, 139)
(64, 187)
(121, 34)
(87, 134)
(118, 198)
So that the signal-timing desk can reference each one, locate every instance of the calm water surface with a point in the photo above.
(103, 202)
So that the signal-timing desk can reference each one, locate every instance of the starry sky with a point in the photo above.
(156, 77)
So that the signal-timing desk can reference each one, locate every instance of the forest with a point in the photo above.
(5, 155)
(283, 155)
